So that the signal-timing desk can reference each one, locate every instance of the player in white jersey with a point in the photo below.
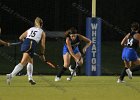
(34, 33)
(30, 39)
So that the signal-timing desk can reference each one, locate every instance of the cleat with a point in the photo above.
(71, 71)
(32, 82)
(9, 77)
(57, 79)
(129, 73)
(120, 81)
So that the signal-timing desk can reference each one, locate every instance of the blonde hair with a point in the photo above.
(38, 22)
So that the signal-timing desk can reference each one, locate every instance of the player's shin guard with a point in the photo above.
(123, 73)
(61, 72)
(29, 71)
(17, 69)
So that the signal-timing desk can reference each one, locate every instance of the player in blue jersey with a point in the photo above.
(30, 39)
(131, 43)
(71, 49)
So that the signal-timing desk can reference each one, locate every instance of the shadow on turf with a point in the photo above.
(132, 87)
(53, 84)
(126, 84)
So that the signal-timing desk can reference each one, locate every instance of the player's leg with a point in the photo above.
(18, 67)
(30, 71)
(133, 57)
(66, 58)
(79, 56)
(128, 71)
(123, 72)
(136, 66)
(71, 68)
(129, 56)
(30, 63)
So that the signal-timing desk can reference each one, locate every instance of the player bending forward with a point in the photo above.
(71, 49)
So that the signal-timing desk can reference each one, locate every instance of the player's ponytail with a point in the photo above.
(38, 22)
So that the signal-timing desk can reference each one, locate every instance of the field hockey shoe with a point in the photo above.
(129, 73)
(57, 79)
(32, 82)
(8, 77)
(71, 71)
(120, 81)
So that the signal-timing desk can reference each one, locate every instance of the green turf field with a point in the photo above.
(80, 88)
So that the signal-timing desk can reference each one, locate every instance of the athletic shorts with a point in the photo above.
(129, 54)
(65, 50)
(28, 46)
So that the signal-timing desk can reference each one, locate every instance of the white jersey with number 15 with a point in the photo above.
(34, 33)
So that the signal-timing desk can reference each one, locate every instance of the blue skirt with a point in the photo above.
(65, 49)
(129, 54)
(28, 46)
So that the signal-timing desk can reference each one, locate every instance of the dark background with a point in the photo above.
(16, 16)
(59, 15)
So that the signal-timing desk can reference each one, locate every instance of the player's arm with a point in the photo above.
(4, 43)
(43, 44)
(138, 39)
(124, 40)
(85, 39)
(70, 48)
(23, 36)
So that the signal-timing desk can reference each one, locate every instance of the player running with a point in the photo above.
(71, 49)
(30, 39)
(129, 55)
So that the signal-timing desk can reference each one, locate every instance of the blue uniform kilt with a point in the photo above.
(28, 46)
(129, 54)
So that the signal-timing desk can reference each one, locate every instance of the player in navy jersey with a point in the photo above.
(71, 49)
(131, 43)
(30, 39)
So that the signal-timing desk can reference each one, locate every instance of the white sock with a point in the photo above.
(17, 69)
(30, 71)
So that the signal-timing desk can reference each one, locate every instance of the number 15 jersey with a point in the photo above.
(34, 33)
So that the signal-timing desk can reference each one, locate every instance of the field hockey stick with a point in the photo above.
(74, 70)
(14, 43)
(47, 62)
